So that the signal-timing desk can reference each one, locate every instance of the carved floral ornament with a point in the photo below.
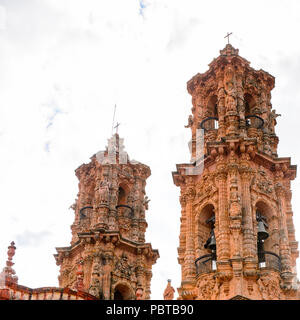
(206, 187)
(263, 181)
(208, 288)
(269, 288)
(189, 193)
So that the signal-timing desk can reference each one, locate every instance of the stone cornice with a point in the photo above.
(102, 235)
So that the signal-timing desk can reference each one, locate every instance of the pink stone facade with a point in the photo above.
(242, 194)
(237, 237)
(108, 256)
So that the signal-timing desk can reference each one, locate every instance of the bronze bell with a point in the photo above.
(212, 245)
(262, 233)
(211, 242)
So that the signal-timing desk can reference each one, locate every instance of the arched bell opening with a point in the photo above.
(122, 207)
(253, 120)
(267, 237)
(122, 195)
(206, 261)
(123, 292)
(249, 104)
(210, 121)
(212, 106)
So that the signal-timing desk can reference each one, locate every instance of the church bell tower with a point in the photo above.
(108, 256)
(237, 237)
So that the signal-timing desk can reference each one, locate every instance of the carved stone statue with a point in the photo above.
(106, 281)
(269, 288)
(103, 191)
(74, 205)
(95, 287)
(230, 99)
(235, 208)
(146, 201)
(190, 122)
(272, 120)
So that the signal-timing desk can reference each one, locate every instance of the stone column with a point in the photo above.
(221, 105)
(284, 249)
(235, 219)
(182, 237)
(249, 245)
(222, 233)
(148, 284)
(235, 212)
(189, 258)
(141, 281)
(290, 227)
(106, 278)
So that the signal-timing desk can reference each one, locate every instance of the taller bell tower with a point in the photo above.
(237, 237)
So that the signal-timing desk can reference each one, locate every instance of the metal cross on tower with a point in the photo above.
(113, 122)
(117, 126)
(227, 36)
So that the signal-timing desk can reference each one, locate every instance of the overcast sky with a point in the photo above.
(63, 67)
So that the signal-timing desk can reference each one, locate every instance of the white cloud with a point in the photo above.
(64, 65)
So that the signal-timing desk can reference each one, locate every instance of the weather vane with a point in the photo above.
(227, 36)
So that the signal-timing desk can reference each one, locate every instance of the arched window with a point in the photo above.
(123, 292)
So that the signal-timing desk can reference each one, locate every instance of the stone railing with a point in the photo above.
(12, 291)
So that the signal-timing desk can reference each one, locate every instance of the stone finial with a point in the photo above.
(8, 274)
(169, 291)
(229, 50)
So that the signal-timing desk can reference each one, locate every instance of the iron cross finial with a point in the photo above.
(227, 36)
(117, 126)
(113, 122)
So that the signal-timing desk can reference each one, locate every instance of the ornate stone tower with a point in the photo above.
(108, 256)
(237, 238)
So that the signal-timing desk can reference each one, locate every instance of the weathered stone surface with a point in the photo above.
(242, 177)
(108, 256)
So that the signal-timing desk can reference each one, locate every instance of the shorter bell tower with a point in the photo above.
(108, 256)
